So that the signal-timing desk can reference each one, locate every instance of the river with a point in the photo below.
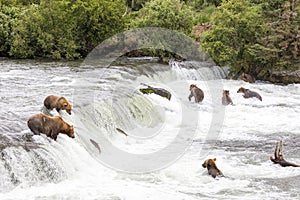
(167, 142)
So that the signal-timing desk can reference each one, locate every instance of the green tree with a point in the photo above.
(283, 32)
(171, 14)
(45, 30)
(97, 21)
(13, 3)
(8, 17)
(65, 28)
(237, 28)
(135, 5)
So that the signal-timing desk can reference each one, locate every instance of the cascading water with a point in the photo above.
(107, 104)
(116, 103)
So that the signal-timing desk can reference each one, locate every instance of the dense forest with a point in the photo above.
(254, 36)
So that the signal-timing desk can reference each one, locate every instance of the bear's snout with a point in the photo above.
(204, 165)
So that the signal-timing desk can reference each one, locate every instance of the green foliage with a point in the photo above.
(255, 36)
(284, 33)
(171, 14)
(200, 4)
(97, 21)
(8, 17)
(283, 37)
(135, 5)
(65, 28)
(45, 30)
(215, 2)
(237, 27)
(13, 3)
(205, 15)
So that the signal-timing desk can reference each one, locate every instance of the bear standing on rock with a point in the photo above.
(212, 168)
(197, 93)
(59, 103)
(51, 126)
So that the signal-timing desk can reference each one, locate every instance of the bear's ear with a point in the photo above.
(214, 159)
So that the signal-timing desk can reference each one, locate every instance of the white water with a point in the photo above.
(74, 168)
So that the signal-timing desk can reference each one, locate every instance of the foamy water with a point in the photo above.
(243, 141)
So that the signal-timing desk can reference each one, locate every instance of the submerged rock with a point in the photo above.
(24, 141)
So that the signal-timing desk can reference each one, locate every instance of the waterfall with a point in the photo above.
(37, 159)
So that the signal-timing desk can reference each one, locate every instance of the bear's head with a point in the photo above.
(209, 163)
(65, 105)
(247, 78)
(226, 92)
(243, 76)
(241, 90)
(70, 131)
(193, 86)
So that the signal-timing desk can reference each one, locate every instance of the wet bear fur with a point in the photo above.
(57, 102)
(51, 126)
(226, 100)
(247, 78)
(212, 168)
(197, 93)
(248, 93)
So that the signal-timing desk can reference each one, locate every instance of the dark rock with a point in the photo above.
(159, 91)
(284, 77)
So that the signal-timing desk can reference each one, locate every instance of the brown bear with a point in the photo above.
(247, 78)
(226, 100)
(248, 93)
(197, 93)
(278, 154)
(212, 168)
(59, 103)
(51, 126)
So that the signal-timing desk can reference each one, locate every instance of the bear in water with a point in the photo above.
(197, 93)
(212, 168)
(59, 103)
(247, 78)
(278, 154)
(226, 100)
(51, 126)
(248, 93)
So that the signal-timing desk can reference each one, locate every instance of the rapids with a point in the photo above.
(167, 140)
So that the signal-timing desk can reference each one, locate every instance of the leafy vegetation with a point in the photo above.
(171, 14)
(236, 30)
(254, 36)
(58, 28)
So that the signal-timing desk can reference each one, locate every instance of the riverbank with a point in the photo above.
(284, 77)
